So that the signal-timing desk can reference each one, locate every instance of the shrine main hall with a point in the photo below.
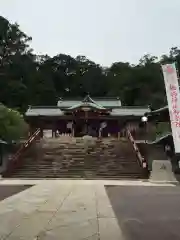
(89, 116)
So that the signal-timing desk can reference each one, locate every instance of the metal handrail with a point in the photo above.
(15, 161)
(141, 159)
(26, 144)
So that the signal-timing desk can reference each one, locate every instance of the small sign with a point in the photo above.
(103, 125)
(69, 125)
(144, 164)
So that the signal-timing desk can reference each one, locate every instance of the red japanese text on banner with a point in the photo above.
(173, 98)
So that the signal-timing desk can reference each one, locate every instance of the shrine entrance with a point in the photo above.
(85, 127)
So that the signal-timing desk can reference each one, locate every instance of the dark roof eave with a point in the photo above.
(43, 107)
(156, 112)
(163, 109)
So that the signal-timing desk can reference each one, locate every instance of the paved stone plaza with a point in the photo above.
(67, 209)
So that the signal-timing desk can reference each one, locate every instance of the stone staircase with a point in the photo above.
(87, 158)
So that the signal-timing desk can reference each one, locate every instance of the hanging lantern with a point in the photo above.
(103, 124)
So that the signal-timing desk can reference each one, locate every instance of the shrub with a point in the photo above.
(12, 125)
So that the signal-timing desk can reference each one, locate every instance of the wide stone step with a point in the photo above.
(81, 169)
(82, 165)
(128, 177)
(81, 173)
(86, 170)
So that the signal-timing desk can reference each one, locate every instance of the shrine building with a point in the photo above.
(78, 117)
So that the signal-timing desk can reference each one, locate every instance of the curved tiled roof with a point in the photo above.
(112, 105)
(43, 111)
(160, 110)
(55, 111)
(129, 111)
(104, 102)
(88, 104)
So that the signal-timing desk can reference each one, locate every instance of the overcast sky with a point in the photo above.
(103, 30)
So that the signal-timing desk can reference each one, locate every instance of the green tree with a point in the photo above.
(15, 64)
(91, 77)
(120, 82)
(12, 124)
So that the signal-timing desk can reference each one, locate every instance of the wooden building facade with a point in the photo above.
(79, 117)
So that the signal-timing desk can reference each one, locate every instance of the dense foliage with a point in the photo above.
(12, 124)
(28, 79)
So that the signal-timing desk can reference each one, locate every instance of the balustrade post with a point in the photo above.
(41, 132)
(100, 133)
(73, 131)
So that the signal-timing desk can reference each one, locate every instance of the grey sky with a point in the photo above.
(103, 30)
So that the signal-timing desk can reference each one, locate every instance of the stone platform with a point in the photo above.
(63, 209)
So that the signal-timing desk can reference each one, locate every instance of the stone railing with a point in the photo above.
(141, 159)
(17, 159)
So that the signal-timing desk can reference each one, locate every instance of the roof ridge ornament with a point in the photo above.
(88, 99)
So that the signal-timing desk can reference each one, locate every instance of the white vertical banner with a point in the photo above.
(173, 98)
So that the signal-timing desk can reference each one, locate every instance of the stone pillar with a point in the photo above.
(72, 130)
(53, 133)
(41, 133)
(54, 129)
(100, 133)
(119, 129)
